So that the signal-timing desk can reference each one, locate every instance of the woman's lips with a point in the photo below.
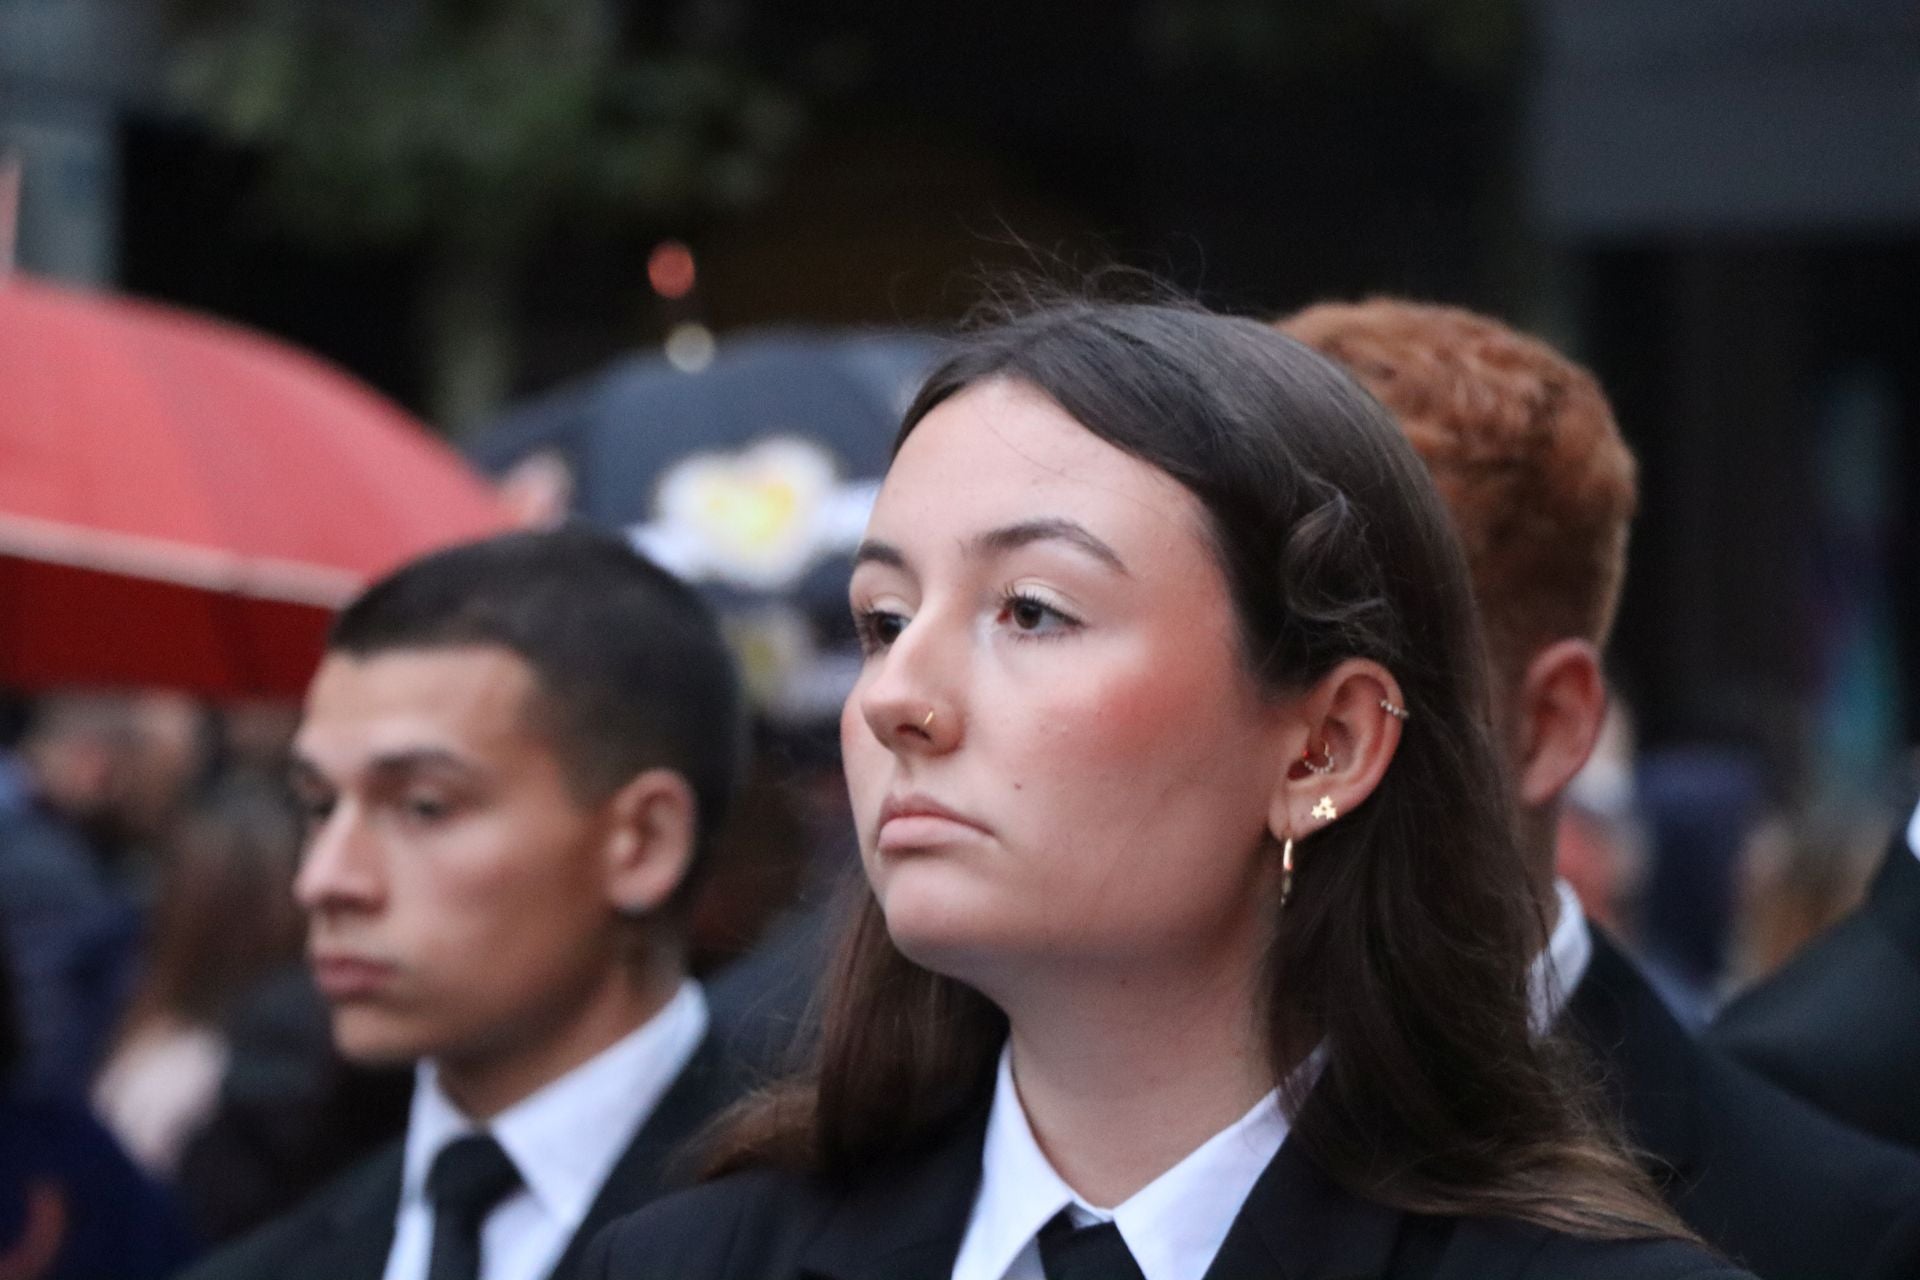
(916, 822)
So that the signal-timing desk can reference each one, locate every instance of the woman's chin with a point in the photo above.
(941, 929)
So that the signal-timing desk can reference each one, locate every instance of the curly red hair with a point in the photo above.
(1523, 447)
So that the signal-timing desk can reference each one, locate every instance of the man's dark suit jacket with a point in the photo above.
(1840, 1024)
(905, 1222)
(346, 1231)
(1782, 1189)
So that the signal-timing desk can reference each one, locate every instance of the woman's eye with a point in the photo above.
(877, 628)
(1034, 616)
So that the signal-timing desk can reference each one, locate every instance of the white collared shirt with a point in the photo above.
(564, 1139)
(1173, 1226)
(1558, 970)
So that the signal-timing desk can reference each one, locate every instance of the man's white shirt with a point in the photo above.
(564, 1139)
(1175, 1225)
(1557, 970)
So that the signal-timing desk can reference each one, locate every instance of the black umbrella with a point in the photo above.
(751, 476)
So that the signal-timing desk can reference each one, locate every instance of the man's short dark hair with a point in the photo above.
(630, 667)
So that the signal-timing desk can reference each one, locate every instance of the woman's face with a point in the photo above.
(1054, 751)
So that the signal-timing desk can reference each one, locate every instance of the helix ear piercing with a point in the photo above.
(1395, 710)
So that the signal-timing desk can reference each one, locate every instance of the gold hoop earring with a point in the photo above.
(1286, 871)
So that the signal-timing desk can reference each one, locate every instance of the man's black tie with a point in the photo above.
(469, 1177)
(1068, 1252)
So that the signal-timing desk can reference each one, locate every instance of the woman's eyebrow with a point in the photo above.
(1008, 538)
(871, 552)
(1013, 536)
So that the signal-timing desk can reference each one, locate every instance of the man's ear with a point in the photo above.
(649, 842)
(1349, 729)
(1557, 719)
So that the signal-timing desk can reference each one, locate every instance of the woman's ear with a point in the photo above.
(1349, 726)
(649, 842)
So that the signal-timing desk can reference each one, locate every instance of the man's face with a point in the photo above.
(453, 884)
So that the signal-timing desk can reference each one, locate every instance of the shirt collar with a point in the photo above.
(1173, 1226)
(1557, 971)
(565, 1137)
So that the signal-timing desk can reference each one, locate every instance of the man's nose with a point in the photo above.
(340, 867)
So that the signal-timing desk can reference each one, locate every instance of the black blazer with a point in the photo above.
(1840, 1024)
(1763, 1177)
(346, 1231)
(905, 1222)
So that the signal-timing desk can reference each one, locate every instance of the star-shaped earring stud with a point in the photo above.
(1325, 810)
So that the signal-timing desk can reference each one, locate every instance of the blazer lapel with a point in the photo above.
(1647, 1058)
(1297, 1224)
(904, 1222)
(657, 1160)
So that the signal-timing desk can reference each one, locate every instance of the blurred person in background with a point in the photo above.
(69, 931)
(1839, 1025)
(1526, 454)
(512, 760)
(224, 918)
(1701, 806)
(72, 1206)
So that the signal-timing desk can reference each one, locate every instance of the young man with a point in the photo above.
(1525, 452)
(510, 761)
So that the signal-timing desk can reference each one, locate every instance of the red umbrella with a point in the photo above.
(184, 503)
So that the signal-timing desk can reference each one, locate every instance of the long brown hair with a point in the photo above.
(1406, 944)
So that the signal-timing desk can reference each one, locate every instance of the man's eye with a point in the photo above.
(426, 808)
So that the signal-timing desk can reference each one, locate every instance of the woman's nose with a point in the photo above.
(912, 701)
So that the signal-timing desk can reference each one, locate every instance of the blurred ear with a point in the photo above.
(649, 842)
(1557, 719)
(1343, 727)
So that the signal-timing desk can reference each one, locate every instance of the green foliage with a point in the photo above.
(483, 121)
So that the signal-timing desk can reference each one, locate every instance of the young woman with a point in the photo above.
(1193, 940)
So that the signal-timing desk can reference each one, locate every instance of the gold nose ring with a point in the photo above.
(927, 723)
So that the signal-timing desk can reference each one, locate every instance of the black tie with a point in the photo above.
(1068, 1252)
(469, 1177)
